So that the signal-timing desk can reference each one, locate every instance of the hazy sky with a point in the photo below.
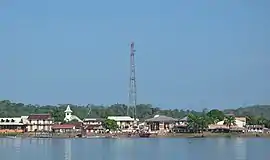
(190, 54)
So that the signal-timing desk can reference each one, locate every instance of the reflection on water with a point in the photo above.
(17, 144)
(221, 144)
(135, 149)
(67, 149)
(240, 148)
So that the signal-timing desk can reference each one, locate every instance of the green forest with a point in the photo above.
(143, 111)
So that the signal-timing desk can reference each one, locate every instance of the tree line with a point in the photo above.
(255, 114)
(143, 111)
(200, 122)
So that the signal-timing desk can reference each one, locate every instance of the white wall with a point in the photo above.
(237, 123)
(39, 125)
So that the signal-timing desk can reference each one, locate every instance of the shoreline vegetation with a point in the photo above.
(168, 135)
(143, 111)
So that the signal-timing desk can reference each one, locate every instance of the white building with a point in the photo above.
(239, 122)
(14, 124)
(93, 121)
(256, 128)
(39, 122)
(238, 125)
(124, 122)
(69, 117)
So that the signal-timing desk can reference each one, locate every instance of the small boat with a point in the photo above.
(95, 137)
(144, 135)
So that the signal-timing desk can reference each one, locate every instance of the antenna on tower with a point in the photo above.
(132, 83)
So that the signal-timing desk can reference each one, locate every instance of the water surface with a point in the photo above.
(135, 149)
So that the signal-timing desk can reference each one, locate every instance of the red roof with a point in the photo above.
(63, 126)
(90, 127)
(39, 117)
(78, 125)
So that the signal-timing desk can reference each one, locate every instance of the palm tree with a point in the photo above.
(262, 121)
(229, 121)
(198, 123)
(193, 122)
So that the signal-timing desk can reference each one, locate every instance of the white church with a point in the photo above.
(69, 117)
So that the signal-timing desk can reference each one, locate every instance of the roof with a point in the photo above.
(184, 119)
(161, 118)
(73, 117)
(121, 118)
(39, 117)
(63, 126)
(11, 121)
(235, 128)
(214, 126)
(78, 125)
(254, 126)
(92, 119)
(91, 127)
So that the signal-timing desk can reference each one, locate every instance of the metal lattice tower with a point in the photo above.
(132, 83)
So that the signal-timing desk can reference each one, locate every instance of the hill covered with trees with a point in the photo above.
(255, 110)
(10, 109)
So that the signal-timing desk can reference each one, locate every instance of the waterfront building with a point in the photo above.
(181, 126)
(12, 125)
(160, 123)
(64, 128)
(69, 117)
(93, 125)
(39, 122)
(238, 126)
(68, 128)
(93, 121)
(124, 122)
(183, 121)
(256, 128)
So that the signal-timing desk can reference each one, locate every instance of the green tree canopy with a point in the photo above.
(144, 111)
(229, 121)
(216, 115)
(110, 124)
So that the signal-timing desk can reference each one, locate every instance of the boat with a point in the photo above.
(95, 137)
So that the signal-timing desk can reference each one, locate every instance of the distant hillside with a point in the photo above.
(256, 110)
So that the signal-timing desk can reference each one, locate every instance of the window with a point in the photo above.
(7, 120)
(12, 120)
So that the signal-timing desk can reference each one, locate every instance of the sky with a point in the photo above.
(189, 54)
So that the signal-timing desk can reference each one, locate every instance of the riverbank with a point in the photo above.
(213, 135)
(123, 135)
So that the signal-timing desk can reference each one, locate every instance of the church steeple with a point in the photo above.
(68, 110)
(69, 117)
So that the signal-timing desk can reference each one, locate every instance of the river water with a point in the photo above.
(135, 149)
